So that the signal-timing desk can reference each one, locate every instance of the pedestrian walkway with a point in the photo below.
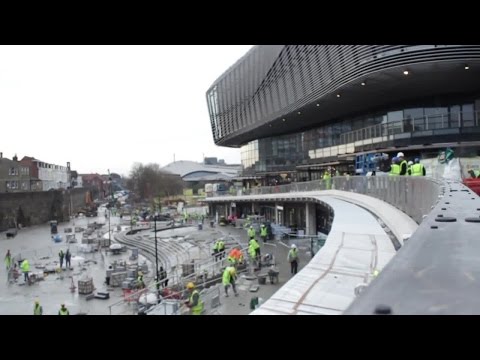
(356, 246)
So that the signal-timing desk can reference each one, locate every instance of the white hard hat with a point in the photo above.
(410, 162)
(400, 154)
(294, 246)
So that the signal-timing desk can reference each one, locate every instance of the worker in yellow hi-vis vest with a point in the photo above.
(194, 302)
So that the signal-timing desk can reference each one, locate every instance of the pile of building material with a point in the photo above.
(85, 286)
(36, 276)
(102, 242)
(188, 269)
(117, 248)
(118, 274)
(102, 295)
(88, 239)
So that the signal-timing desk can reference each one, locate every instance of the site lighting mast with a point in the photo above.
(109, 208)
(155, 230)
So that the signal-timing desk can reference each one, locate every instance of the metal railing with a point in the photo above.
(310, 242)
(412, 126)
(200, 277)
(209, 296)
(413, 195)
(212, 266)
(125, 305)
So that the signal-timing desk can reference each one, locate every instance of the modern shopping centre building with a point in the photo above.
(294, 110)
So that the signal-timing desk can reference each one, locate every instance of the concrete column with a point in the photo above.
(311, 220)
(279, 214)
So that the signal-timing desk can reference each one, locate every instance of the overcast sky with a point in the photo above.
(106, 107)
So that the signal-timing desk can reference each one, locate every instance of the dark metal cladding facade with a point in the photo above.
(233, 101)
(272, 83)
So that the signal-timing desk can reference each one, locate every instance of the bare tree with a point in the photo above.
(149, 181)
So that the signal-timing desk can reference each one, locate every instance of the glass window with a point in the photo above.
(394, 116)
(394, 119)
(436, 117)
(477, 110)
(370, 121)
(468, 115)
(357, 124)
(415, 117)
(454, 115)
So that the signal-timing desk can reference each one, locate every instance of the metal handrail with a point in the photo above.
(180, 281)
(414, 195)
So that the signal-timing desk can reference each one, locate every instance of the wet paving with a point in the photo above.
(35, 243)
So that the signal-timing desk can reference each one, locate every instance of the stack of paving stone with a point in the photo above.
(85, 286)
(102, 242)
(117, 278)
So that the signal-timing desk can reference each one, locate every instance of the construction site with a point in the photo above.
(113, 267)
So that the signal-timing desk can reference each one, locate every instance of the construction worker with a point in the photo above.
(254, 242)
(327, 178)
(228, 278)
(8, 260)
(251, 232)
(263, 232)
(215, 250)
(68, 257)
(231, 258)
(235, 256)
(63, 310)
(221, 248)
(395, 167)
(61, 255)
(409, 167)
(194, 302)
(37, 308)
(293, 259)
(13, 273)
(163, 277)
(254, 251)
(239, 255)
(403, 163)
(418, 169)
(140, 282)
(25, 266)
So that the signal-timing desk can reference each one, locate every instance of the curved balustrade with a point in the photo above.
(415, 196)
